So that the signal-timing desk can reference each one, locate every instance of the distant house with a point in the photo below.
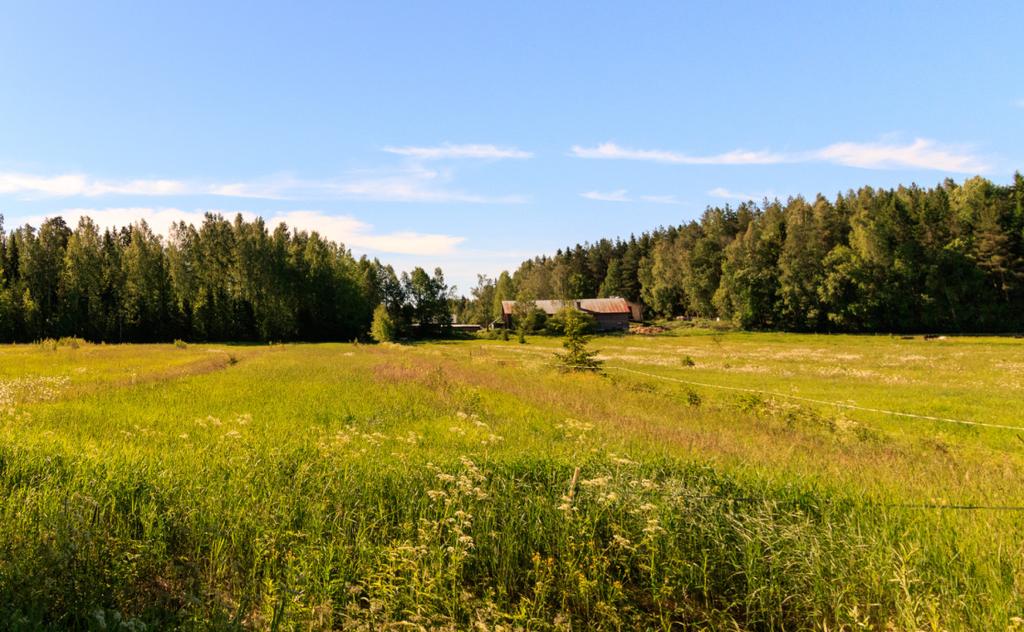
(611, 314)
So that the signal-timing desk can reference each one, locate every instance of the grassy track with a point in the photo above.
(319, 486)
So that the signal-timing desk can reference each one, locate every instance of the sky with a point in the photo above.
(472, 135)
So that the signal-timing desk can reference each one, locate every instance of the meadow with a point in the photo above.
(705, 480)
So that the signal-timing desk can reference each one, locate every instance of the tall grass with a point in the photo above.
(370, 488)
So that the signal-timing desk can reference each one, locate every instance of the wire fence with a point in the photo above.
(822, 402)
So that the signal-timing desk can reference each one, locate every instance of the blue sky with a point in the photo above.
(472, 135)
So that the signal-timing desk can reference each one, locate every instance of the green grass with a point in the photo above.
(432, 485)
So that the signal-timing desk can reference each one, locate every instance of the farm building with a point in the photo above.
(611, 313)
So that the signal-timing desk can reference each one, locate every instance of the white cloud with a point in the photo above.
(921, 153)
(357, 234)
(413, 185)
(408, 185)
(622, 195)
(611, 151)
(352, 232)
(69, 185)
(618, 195)
(447, 150)
(1019, 103)
(721, 192)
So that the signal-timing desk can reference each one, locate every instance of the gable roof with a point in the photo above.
(591, 305)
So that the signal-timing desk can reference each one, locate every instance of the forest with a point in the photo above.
(948, 258)
(231, 281)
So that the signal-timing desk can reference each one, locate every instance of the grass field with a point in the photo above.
(470, 485)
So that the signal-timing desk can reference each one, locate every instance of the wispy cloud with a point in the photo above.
(447, 150)
(622, 195)
(721, 192)
(611, 151)
(618, 195)
(74, 184)
(921, 153)
(413, 184)
(352, 232)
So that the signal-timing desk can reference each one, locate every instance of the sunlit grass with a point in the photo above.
(432, 485)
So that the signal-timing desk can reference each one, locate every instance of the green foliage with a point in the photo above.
(555, 326)
(577, 356)
(527, 318)
(428, 301)
(382, 329)
(948, 258)
(222, 280)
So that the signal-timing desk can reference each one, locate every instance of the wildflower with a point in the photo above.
(600, 481)
(653, 527)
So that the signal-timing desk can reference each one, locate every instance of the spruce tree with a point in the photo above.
(577, 357)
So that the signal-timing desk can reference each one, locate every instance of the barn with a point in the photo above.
(611, 314)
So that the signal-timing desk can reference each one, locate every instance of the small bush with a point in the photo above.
(383, 327)
(693, 398)
(47, 344)
(688, 361)
(180, 344)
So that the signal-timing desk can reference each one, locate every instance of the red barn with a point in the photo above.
(611, 314)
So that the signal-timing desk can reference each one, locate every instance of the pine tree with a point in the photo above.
(577, 357)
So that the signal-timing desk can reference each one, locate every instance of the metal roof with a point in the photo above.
(592, 305)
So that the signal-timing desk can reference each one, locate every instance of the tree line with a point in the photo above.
(947, 258)
(224, 280)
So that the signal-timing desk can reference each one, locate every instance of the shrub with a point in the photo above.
(555, 326)
(693, 398)
(383, 327)
(577, 357)
(688, 361)
(528, 318)
(180, 344)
